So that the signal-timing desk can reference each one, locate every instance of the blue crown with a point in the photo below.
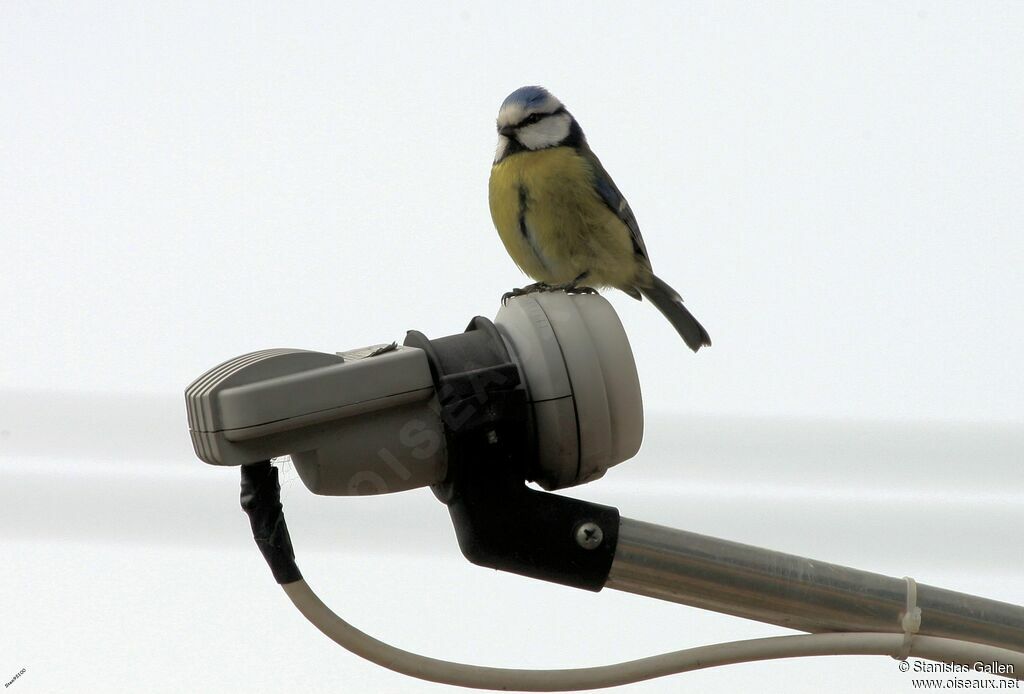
(527, 97)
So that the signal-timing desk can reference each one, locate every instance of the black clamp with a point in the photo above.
(499, 521)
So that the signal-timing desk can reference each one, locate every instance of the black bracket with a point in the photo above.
(499, 521)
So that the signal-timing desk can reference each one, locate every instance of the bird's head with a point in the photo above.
(531, 118)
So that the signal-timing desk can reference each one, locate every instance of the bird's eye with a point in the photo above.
(532, 118)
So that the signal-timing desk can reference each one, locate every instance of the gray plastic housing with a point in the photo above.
(367, 421)
(581, 381)
(360, 422)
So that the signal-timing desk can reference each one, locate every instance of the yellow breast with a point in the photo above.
(554, 224)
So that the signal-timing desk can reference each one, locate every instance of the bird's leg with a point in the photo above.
(522, 291)
(573, 286)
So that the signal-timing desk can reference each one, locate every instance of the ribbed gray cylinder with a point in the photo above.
(795, 592)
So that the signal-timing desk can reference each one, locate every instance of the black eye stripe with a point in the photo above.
(537, 117)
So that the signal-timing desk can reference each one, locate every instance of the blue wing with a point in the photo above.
(613, 198)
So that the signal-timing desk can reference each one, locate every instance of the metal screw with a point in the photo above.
(589, 535)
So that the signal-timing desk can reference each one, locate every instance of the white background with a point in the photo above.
(835, 190)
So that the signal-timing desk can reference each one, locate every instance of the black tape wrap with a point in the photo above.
(261, 501)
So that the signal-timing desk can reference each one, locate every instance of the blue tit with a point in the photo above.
(560, 215)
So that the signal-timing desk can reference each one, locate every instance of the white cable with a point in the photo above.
(458, 674)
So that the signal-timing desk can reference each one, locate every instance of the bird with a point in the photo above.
(562, 218)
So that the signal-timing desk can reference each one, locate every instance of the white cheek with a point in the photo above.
(502, 146)
(547, 133)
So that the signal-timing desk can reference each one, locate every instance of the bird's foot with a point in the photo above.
(573, 287)
(523, 291)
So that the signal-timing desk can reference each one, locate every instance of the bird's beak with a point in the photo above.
(508, 131)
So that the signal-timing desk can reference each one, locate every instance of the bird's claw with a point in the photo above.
(571, 288)
(567, 287)
(522, 291)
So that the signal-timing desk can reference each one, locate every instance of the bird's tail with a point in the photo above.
(667, 300)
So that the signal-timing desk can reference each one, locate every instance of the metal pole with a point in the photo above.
(795, 592)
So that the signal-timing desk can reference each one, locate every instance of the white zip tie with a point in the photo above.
(911, 621)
